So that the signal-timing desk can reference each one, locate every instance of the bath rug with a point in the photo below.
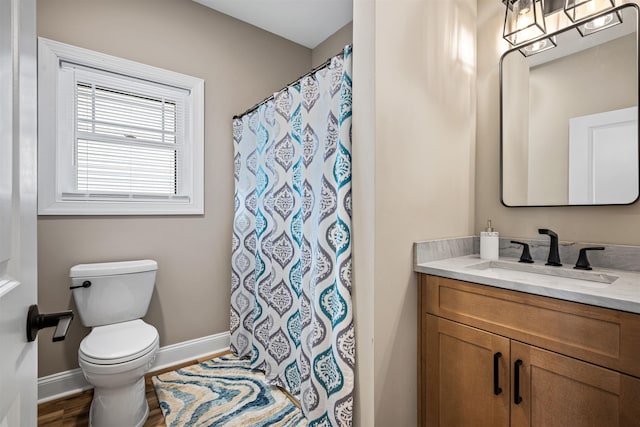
(224, 392)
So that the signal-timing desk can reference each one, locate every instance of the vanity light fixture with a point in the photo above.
(600, 23)
(577, 10)
(523, 21)
(539, 46)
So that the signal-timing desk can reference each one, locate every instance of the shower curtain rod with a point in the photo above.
(319, 67)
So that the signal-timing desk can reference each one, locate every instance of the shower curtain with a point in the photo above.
(291, 308)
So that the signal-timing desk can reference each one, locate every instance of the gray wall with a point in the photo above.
(332, 45)
(241, 65)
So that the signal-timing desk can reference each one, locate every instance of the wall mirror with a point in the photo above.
(569, 115)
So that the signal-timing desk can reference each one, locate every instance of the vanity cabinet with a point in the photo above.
(494, 357)
(458, 384)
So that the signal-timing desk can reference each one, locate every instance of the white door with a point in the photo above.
(18, 276)
(603, 158)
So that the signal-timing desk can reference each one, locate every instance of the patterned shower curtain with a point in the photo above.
(291, 308)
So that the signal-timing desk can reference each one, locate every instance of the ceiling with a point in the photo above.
(306, 22)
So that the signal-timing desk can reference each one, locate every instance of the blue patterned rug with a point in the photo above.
(223, 392)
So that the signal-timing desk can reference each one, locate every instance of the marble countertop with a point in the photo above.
(565, 283)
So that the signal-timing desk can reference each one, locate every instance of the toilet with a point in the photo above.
(111, 299)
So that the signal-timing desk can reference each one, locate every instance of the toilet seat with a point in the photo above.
(118, 343)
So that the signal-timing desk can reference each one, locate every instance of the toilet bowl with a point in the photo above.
(114, 359)
(121, 348)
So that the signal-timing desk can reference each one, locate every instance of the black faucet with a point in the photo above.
(554, 256)
(583, 261)
(526, 255)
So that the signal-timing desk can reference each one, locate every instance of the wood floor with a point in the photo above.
(73, 411)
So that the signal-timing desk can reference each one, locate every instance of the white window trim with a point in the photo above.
(50, 190)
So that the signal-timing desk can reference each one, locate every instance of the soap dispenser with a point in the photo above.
(489, 243)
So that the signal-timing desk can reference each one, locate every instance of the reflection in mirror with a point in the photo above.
(569, 116)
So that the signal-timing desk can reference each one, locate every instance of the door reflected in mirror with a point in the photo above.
(569, 116)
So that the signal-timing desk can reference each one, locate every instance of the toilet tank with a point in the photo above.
(112, 292)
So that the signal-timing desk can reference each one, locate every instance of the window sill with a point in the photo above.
(117, 208)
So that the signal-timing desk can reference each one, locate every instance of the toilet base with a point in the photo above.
(120, 406)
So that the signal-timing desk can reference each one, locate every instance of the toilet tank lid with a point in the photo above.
(112, 268)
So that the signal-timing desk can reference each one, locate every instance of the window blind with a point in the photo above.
(126, 143)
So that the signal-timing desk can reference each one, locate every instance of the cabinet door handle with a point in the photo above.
(496, 373)
(516, 382)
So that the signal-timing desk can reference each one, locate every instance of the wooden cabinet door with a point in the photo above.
(560, 391)
(460, 376)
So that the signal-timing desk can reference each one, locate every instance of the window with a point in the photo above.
(117, 137)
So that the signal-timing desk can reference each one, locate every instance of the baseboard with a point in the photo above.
(185, 351)
(61, 384)
(66, 383)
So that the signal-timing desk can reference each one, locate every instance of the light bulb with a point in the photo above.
(524, 6)
(524, 21)
(538, 45)
(599, 22)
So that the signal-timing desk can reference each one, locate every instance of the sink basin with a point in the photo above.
(514, 270)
